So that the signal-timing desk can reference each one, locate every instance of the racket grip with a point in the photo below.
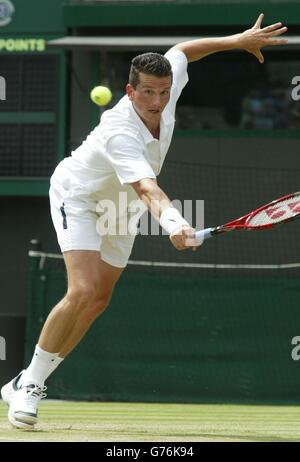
(202, 235)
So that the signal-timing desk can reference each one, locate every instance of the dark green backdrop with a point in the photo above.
(178, 338)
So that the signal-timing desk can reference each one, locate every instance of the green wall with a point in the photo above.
(32, 23)
(34, 17)
(180, 339)
(179, 14)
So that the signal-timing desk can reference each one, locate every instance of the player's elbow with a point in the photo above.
(183, 46)
(144, 187)
(189, 51)
(180, 47)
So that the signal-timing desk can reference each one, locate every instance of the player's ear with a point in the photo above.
(129, 91)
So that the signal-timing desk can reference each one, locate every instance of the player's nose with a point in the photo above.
(156, 102)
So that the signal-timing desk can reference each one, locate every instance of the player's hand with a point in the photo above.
(252, 40)
(183, 238)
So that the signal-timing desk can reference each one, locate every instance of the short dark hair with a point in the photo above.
(149, 63)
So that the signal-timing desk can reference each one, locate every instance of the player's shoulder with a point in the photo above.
(120, 114)
(176, 57)
(119, 120)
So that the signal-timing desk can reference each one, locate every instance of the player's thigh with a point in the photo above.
(75, 221)
(116, 249)
(87, 272)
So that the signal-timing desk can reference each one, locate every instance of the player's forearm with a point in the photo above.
(153, 196)
(251, 40)
(160, 206)
(199, 48)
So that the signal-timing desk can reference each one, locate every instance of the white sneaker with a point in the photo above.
(8, 391)
(23, 407)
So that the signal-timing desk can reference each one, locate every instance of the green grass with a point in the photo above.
(121, 422)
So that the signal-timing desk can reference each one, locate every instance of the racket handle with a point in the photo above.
(202, 235)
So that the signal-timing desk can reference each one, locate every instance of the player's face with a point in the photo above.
(150, 97)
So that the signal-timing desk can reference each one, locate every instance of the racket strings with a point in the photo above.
(276, 213)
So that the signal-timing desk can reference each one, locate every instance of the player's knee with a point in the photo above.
(82, 295)
(89, 299)
(100, 304)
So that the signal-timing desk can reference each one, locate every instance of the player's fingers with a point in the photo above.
(278, 42)
(258, 21)
(179, 242)
(279, 32)
(181, 247)
(191, 243)
(258, 54)
(260, 57)
(271, 27)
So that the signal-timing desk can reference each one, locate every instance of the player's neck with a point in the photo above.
(155, 132)
(153, 129)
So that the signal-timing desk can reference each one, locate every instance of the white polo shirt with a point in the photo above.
(121, 150)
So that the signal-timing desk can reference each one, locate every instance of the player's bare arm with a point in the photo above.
(251, 40)
(163, 211)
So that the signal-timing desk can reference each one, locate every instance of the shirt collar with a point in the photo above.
(166, 119)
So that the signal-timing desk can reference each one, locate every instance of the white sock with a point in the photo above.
(38, 370)
(54, 365)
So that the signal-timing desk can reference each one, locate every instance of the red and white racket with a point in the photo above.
(279, 211)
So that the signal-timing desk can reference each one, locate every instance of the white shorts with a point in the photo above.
(75, 222)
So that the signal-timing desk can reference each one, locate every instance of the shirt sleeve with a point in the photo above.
(179, 64)
(125, 154)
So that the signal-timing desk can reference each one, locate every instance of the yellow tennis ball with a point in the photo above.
(101, 95)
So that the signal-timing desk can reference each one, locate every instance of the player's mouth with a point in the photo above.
(154, 111)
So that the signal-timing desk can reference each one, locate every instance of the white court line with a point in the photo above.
(16, 440)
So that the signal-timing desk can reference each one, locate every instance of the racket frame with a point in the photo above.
(240, 224)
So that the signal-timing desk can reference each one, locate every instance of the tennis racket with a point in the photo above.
(279, 211)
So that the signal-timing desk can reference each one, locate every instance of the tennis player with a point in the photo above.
(124, 153)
